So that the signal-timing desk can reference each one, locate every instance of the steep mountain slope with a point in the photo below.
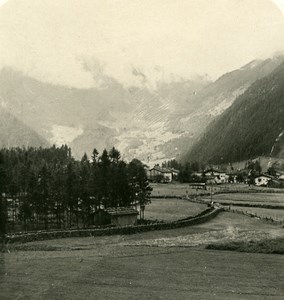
(14, 133)
(207, 104)
(252, 126)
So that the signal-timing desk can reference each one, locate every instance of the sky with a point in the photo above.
(80, 43)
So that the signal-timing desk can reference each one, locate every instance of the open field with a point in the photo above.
(276, 214)
(249, 198)
(128, 267)
(182, 189)
(264, 198)
(275, 246)
(171, 189)
(172, 209)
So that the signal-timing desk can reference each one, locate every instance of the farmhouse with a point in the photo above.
(174, 172)
(233, 176)
(267, 180)
(160, 174)
(215, 176)
(119, 216)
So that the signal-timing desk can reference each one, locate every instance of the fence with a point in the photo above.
(274, 220)
(29, 237)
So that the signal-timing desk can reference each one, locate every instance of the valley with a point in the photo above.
(152, 125)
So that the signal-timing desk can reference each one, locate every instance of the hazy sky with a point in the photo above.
(76, 43)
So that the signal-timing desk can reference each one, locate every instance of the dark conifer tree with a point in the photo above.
(2, 199)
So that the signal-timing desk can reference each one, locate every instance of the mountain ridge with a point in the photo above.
(253, 126)
(151, 125)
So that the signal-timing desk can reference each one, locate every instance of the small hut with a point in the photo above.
(119, 216)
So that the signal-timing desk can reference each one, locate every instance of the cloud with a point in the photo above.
(280, 5)
(2, 2)
(163, 39)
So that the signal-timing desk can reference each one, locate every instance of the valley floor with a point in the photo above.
(171, 264)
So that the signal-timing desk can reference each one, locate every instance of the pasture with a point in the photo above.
(171, 264)
(182, 189)
(276, 199)
(171, 209)
(275, 214)
(171, 189)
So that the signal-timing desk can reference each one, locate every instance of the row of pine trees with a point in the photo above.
(49, 188)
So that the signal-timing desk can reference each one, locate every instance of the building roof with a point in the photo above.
(272, 178)
(265, 175)
(121, 211)
(161, 170)
(173, 170)
(214, 171)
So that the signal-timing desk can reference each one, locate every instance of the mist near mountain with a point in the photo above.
(133, 119)
(151, 124)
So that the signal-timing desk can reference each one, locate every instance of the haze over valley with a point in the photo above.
(103, 82)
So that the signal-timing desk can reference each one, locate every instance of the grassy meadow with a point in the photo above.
(276, 214)
(171, 209)
(180, 263)
(171, 264)
(182, 189)
(256, 198)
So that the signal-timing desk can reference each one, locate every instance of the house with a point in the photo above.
(267, 180)
(160, 174)
(118, 216)
(262, 180)
(174, 172)
(217, 177)
(235, 176)
(197, 174)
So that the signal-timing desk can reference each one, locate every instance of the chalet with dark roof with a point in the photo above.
(118, 216)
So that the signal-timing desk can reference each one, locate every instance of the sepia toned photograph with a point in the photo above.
(141, 149)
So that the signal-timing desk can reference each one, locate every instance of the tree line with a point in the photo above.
(47, 187)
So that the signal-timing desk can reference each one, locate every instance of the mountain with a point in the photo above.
(133, 119)
(149, 123)
(203, 107)
(14, 133)
(253, 126)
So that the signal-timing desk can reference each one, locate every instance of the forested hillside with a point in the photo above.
(252, 126)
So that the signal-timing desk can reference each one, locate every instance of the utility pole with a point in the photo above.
(211, 189)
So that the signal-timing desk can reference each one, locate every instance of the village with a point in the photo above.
(193, 227)
(263, 172)
(258, 172)
(141, 150)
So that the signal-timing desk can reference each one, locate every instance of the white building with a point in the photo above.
(262, 180)
(216, 176)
